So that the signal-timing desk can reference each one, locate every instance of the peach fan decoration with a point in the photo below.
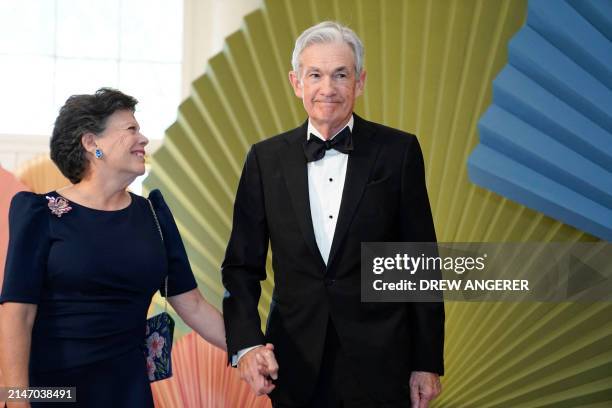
(41, 175)
(202, 378)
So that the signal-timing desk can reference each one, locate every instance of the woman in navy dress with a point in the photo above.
(84, 262)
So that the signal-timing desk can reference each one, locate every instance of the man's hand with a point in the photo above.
(424, 387)
(258, 367)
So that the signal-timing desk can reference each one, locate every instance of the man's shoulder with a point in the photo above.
(385, 134)
(276, 142)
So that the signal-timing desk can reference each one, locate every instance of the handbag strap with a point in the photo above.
(161, 235)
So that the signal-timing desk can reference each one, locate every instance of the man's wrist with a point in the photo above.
(236, 357)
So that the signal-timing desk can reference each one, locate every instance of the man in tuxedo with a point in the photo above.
(315, 193)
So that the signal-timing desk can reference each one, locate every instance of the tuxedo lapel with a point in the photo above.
(360, 162)
(296, 176)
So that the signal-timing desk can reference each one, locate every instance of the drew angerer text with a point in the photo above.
(445, 284)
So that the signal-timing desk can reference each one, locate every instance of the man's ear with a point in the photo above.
(88, 140)
(360, 84)
(296, 84)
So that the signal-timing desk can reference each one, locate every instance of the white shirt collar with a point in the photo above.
(314, 131)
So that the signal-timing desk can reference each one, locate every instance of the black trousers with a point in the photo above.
(337, 386)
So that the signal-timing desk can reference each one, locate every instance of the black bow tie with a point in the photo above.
(315, 148)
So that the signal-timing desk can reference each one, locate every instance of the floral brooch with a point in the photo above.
(58, 205)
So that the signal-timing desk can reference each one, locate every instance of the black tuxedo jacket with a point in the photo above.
(384, 199)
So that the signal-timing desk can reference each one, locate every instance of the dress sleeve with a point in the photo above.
(180, 275)
(28, 249)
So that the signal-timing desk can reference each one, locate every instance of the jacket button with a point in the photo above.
(329, 282)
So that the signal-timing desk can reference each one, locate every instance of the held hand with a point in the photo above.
(258, 367)
(424, 387)
(268, 366)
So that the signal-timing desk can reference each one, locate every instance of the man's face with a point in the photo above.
(327, 84)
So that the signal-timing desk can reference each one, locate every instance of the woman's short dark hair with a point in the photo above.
(83, 114)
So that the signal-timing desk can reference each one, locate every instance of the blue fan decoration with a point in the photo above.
(546, 140)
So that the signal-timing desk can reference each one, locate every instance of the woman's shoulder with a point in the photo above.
(157, 199)
(162, 210)
(29, 200)
(154, 199)
(26, 206)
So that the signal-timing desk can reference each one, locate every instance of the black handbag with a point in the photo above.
(159, 333)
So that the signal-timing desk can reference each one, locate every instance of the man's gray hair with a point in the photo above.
(327, 32)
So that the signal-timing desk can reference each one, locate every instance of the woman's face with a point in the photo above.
(122, 145)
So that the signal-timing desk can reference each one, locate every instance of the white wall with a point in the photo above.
(206, 24)
(17, 149)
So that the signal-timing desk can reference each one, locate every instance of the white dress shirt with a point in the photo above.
(325, 186)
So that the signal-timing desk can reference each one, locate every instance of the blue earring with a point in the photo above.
(98, 153)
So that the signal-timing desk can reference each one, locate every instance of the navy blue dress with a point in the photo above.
(92, 274)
